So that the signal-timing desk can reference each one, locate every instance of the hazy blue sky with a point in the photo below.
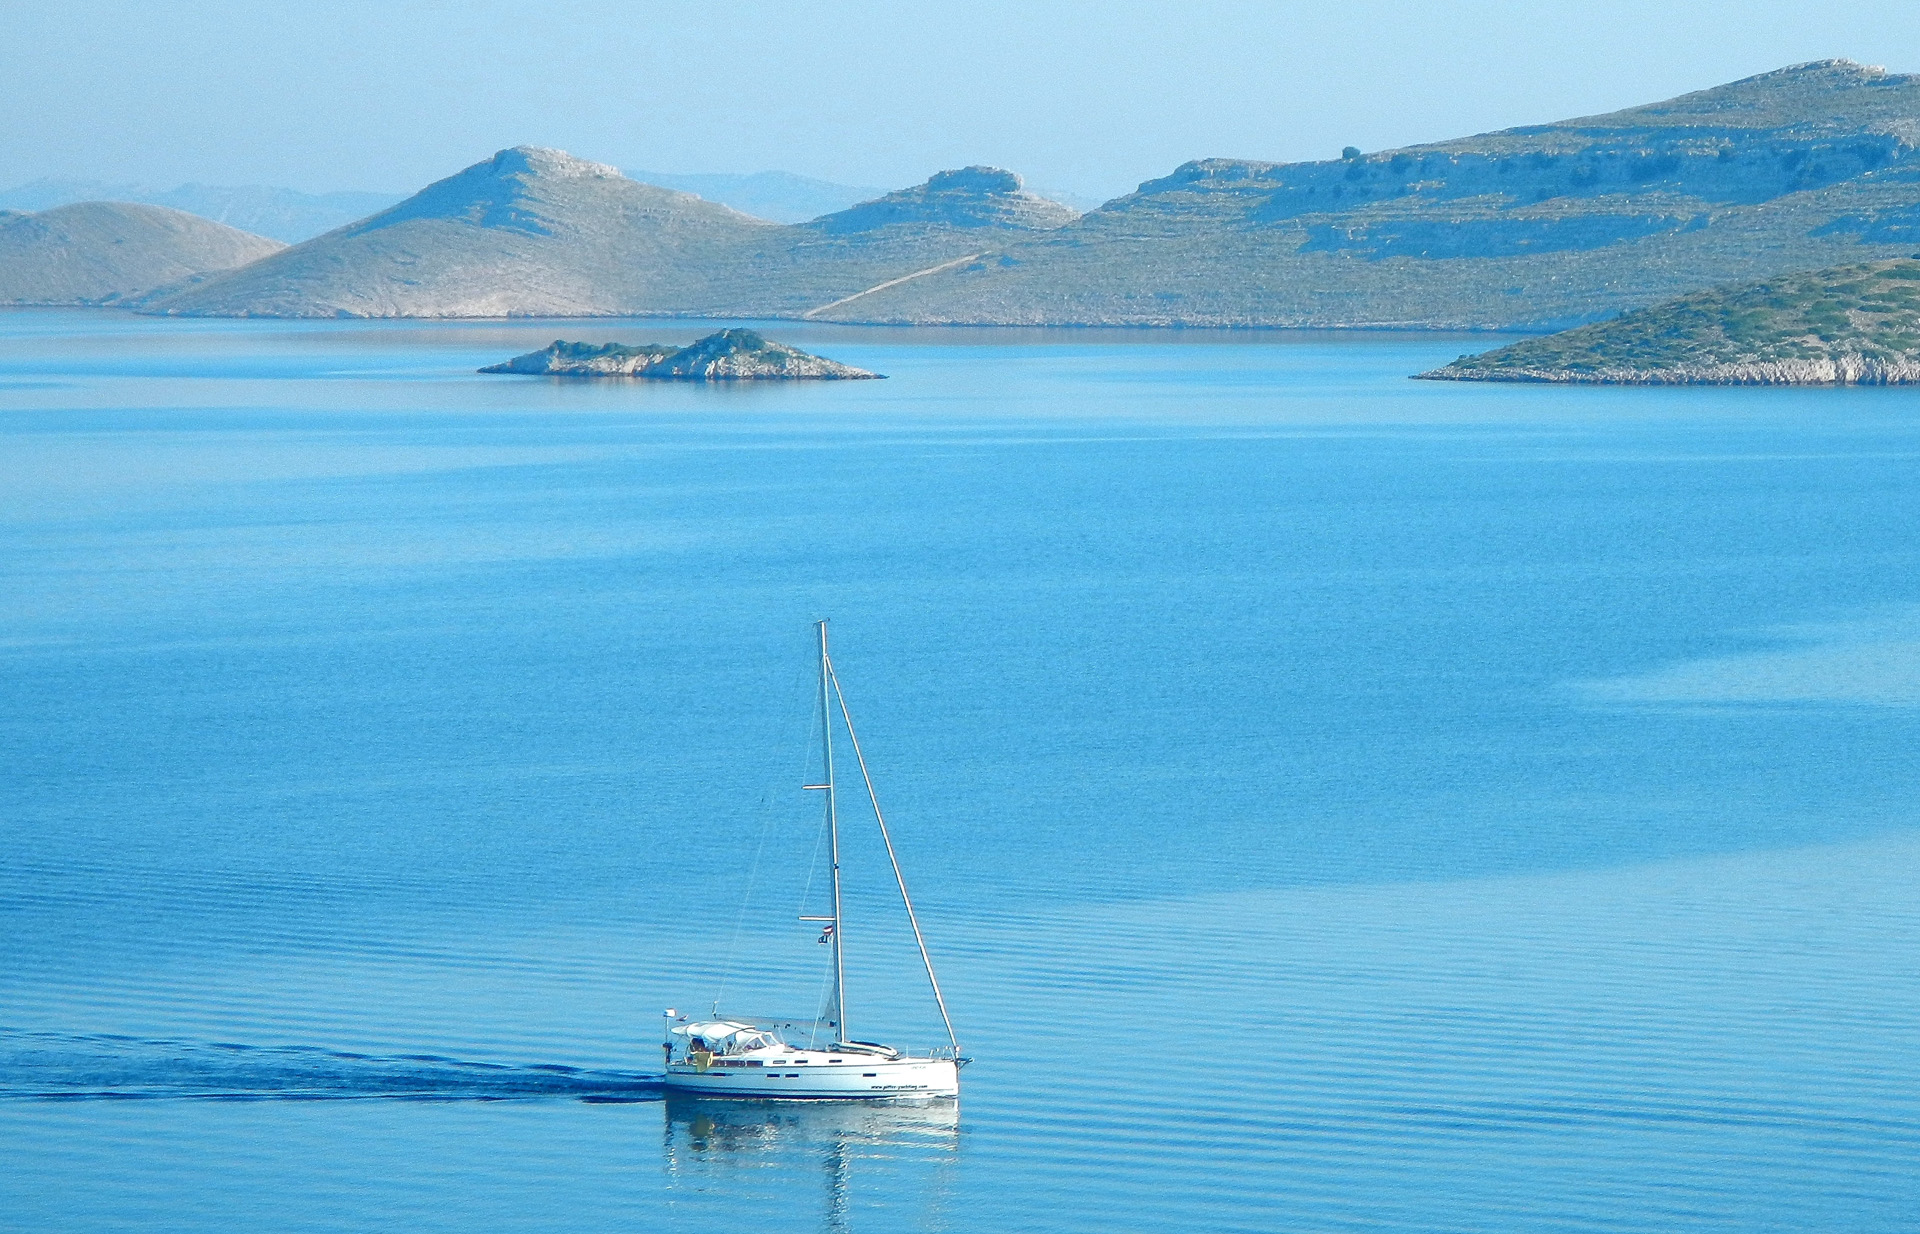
(1091, 97)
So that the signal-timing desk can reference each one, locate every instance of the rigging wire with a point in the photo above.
(826, 989)
(782, 739)
(873, 798)
(820, 835)
(806, 894)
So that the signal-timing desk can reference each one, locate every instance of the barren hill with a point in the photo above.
(1812, 165)
(967, 199)
(529, 231)
(539, 232)
(102, 252)
(1539, 227)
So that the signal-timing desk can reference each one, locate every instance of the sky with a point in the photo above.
(1089, 98)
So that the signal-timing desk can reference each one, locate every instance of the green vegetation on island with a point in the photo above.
(1848, 325)
(727, 355)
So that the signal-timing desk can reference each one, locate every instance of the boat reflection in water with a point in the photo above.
(707, 1124)
(900, 1154)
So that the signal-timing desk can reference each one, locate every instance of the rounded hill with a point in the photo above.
(110, 252)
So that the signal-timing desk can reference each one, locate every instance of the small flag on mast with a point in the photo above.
(826, 935)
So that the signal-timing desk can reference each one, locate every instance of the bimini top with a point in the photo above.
(729, 1037)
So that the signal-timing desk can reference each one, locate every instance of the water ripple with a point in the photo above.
(101, 1066)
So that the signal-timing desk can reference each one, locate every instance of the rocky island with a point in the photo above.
(1848, 325)
(728, 355)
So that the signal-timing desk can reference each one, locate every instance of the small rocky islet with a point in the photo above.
(1854, 325)
(726, 355)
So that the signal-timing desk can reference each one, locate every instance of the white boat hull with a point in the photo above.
(854, 1078)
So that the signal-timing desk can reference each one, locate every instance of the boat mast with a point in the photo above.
(899, 878)
(833, 834)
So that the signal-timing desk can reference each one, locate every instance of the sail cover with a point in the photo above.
(727, 1036)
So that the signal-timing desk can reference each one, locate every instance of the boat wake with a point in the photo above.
(79, 1067)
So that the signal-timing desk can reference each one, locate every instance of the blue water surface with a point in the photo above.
(1334, 801)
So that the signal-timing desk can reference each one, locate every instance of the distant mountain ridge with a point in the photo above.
(777, 196)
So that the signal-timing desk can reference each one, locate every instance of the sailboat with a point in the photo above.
(746, 1059)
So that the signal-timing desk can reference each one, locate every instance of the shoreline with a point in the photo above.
(1842, 370)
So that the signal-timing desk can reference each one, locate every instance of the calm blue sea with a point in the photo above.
(1334, 801)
